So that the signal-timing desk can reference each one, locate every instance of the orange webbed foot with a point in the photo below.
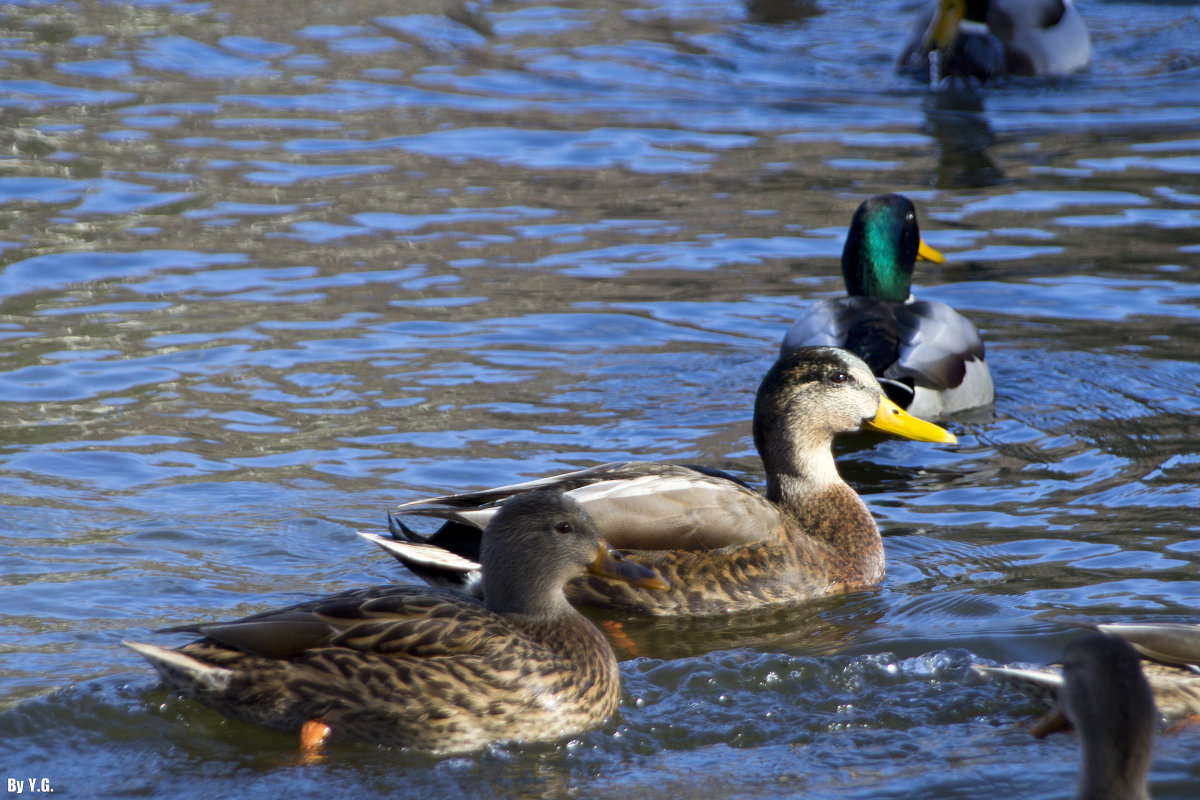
(312, 735)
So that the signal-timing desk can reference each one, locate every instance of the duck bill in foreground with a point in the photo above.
(927, 253)
(891, 418)
(611, 563)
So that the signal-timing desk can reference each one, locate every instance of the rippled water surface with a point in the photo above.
(269, 268)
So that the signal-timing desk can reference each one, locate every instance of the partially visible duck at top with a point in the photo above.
(987, 39)
(928, 357)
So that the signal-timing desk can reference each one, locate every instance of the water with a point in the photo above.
(269, 269)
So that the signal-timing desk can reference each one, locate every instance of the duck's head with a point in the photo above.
(1107, 699)
(811, 394)
(539, 540)
(882, 248)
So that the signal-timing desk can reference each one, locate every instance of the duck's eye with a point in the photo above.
(839, 377)
(563, 527)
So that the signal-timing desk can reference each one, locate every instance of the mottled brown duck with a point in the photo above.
(423, 668)
(1170, 661)
(721, 545)
(1102, 692)
(1108, 701)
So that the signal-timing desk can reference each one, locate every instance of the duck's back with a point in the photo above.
(826, 545)
(932, 351)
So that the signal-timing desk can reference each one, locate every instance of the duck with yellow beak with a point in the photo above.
(985, 39)
(928, 357)
(719, 544)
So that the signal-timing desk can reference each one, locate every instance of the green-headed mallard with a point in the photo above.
(1103, 693)
(427, 669)
(927, 355)
(986, 39)
(721, 545)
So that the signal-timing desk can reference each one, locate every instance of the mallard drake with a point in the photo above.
(426, 669)
(1171, 663)
(721, 545)
(986, 39)
(1103, 693)
(928, 357)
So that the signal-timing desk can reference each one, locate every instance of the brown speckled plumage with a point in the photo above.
(426, 669)
(809, 536)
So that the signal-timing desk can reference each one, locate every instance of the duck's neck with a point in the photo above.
(827, 509)
(878, 276)
(875, 264)
(525, 595)
(813, 474)
(567, 633)
(1113, 769)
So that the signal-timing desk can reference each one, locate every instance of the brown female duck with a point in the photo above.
(1108, 701)
(1103, 693)
(427, 669)
(721, 545)
(1170, 660)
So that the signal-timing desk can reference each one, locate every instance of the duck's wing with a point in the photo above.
(974, 51)
(433, 563)
(936, 345)
(1175, 643)
(914, 54)
(1040, 682)
(637, 505)
(387, 620)
(1041, 37)
(826, 323)
(822, 324)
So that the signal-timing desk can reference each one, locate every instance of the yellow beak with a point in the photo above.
(927, 253)
(891, 418)
(945, 24)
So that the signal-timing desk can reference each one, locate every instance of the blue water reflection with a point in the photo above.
(265, 273)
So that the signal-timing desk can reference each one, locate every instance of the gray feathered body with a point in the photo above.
(930, 358)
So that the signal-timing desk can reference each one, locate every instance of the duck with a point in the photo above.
(1170, 654)
(1107, 699)
(987, 39)
(722, 546)
(929, 358)
(1103, 693)
(430, 670)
